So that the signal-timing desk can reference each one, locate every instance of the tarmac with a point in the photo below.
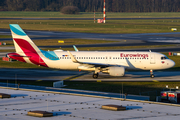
(56, 75)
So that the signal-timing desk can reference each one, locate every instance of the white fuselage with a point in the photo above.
(128, 60)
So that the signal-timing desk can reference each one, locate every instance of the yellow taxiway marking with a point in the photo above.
(155, 80)
(38, 80)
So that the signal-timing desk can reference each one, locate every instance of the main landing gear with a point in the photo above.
(152, 75)
(95, 75)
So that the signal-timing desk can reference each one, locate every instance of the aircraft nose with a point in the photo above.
(172, 63)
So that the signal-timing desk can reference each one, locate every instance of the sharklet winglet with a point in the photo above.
(75, 48)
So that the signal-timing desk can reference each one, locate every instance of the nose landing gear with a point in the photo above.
(151, 74)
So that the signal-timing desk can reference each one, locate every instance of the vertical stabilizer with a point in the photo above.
(26, 50)
(22, 42)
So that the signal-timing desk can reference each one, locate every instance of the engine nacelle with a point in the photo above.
(116, 71)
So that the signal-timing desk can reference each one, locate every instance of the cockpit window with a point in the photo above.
(164, 58)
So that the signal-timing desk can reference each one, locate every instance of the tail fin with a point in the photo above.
(22, 43)
(26, 50)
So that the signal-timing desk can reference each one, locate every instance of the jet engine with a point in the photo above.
(115, 71)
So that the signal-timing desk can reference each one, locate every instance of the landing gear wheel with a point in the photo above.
(152, 76)
(95, 75)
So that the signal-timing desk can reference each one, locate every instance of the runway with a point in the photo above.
(56, 75)
(171, 37)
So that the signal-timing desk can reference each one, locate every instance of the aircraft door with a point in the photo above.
(152, 59)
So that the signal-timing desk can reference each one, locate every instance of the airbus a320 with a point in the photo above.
(112, 63)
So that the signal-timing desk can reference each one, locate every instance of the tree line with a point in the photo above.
(89, 5)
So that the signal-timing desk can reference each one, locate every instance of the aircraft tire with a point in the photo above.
(95, 75)
(152, 76)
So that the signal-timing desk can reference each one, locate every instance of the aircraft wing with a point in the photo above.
(89, 63)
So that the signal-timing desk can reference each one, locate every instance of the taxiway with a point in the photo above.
(56, 75)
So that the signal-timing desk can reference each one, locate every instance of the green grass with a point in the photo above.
(27, 14)
(88, 26)
(151, 89)
(5, 36)
(115, 87)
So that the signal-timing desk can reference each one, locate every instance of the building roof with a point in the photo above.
(70, 107)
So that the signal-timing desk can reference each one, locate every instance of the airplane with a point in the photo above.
(112, 63)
